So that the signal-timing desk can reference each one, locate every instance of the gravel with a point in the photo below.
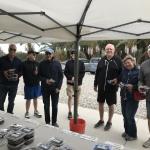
(88, 97)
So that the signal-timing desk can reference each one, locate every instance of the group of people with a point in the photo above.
(48, 72)
(45, 78)
(111, 73)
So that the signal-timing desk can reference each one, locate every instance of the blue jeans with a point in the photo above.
(129, 109)
(11, 90)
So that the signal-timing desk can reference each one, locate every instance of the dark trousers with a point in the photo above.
(11, 90)
(129, 109)
(47, 93)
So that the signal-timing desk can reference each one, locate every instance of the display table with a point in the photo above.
(45, 132)
(74, 140)
(10, 119)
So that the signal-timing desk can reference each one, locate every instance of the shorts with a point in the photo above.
(148, 108)
(32, 92)
(70, 90)
(109, 97)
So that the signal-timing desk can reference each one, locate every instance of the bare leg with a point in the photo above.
(111, 112)
(28, 102)
(101, 111)
(35, 104)
(69, 103)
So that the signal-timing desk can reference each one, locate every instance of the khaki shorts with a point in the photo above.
(70, 90)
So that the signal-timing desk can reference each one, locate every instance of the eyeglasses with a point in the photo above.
(108, 49)
(12, 49)
(47, 53)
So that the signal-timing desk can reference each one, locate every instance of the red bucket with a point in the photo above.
(78, 127)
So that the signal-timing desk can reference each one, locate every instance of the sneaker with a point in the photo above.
(27, 115)
(99, 124)
(69, 115)
(37, 114)
(129, 138)
(147, 144)
(107, 126)
(55, 125)
(124, 135)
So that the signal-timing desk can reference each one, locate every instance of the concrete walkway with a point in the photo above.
(91, 116)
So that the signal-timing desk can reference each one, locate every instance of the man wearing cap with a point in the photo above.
(51, 77)
(108, 70)
(32, 89)
(144, 81)
(69, 73)
(10, 70)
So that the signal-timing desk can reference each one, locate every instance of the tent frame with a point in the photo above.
(77, 35)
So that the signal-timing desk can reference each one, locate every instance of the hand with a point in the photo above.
(70, 81)
(48, 81)
(57, 90)
(121, 85)
(17, 76)
(129, 87)
(6, 74)
(95, 88)
(35, 72)
(143, 88)
(114, 81)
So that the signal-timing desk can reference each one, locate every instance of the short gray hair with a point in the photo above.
(129, 57)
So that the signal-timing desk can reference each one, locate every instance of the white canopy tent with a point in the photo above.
(73, 20)
(56, 20)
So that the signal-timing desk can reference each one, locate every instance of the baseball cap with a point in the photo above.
(49, 50)
(72, 51)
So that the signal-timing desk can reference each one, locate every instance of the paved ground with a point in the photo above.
(88, 96)
(91, 116)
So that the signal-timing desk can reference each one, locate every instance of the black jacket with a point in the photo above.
(69, 71)
(51, 70)
(107, 70)
(5, 64)
(28, 70)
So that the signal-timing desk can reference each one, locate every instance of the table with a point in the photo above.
(74, 140)
(45, 132)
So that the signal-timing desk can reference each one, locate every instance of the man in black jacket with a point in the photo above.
(51, 75)
(69, 73)
(10, 71)
(106, 78)
(32, 89)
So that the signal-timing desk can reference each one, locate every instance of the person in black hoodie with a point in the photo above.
(106, 79)
(51, 77)
(32, 89)
(69, 73)
(10, 71)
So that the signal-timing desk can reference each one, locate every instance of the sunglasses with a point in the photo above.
(108, 49)
(47, 53)
(12, 49)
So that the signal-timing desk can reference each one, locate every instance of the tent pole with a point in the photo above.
(76, 72)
